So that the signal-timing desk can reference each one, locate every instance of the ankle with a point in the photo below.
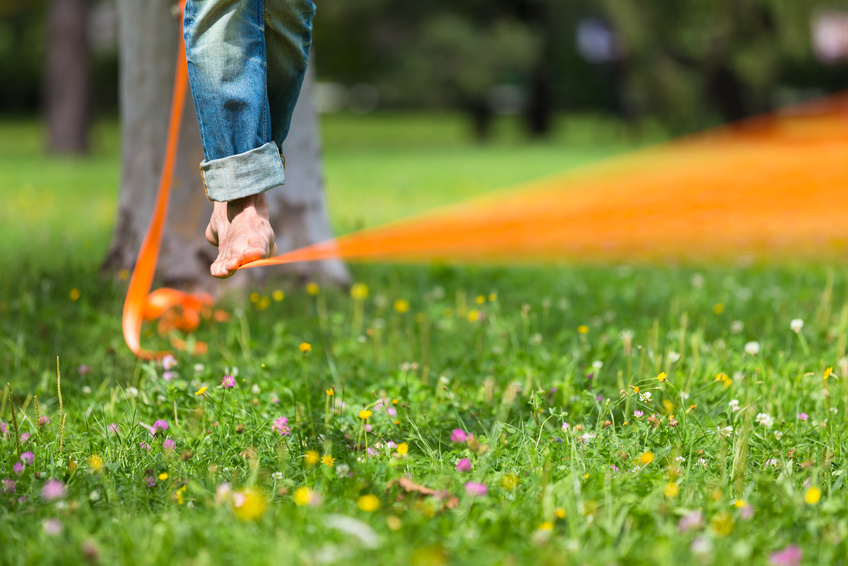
(237, 206)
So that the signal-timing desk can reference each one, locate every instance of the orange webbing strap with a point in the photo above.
(138, 305)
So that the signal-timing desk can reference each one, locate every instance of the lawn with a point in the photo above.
(433, 414)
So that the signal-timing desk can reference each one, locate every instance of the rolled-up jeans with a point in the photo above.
(246, 63)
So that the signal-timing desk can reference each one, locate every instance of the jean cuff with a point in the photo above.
(243, 175)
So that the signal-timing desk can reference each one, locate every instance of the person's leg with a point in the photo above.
(288, 37)
(225, 48)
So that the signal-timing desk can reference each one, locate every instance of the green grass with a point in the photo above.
(504, 354)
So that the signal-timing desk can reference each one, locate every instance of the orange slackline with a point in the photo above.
(774, 187)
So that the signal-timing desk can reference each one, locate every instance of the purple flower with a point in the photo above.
(475, 489)
(747, 512)
(52, 527)
(228, 382)
(28, 458)
(169, 444)
(690, 522)
(590, 377)
(599, 398)
(368, 428)
(280, 426)
(9, 486)
(613, 467)
(390, 445)
(168, 375)
(114, 428)
(392, 411)
(169, 362)
(53, 489)
(144, 446)
(25, 436)
(3, 428)
(638, 414)
(803, 416)
(18, 468)
(458, 435)
(157, 426)
(150, 481)
(789, 556)
(45, 420)
(463, 465)
(84, 369)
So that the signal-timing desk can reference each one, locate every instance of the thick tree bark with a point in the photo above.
(148, 35)
(67, 91)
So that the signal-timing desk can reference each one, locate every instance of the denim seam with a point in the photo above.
(244, 174)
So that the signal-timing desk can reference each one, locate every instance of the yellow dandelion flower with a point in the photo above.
(726, 381)
(671, 490)
(668, 405)
(303, 496)
(740, 504)
(311, 458)
(662, 377)
(493, 297)
(178, 495)
(264, 303)
(278, 295)
(305, 347)
(509, 481)
(72, 465)
(396, 422)
(163, 476)
(559, 513)
(368, 503)
(721, 376)
(473, 315)
(828, 372)
(359, 291)
(401, 306)
(635, 389)
(646, 458)
(394, 401)
(403, 448)
(718, 308)
(75, 294)
(95, 462)
(249, 504)
(722, 524)
(123, 274)
(393, 522)
(546, 526)
(331, 392)
(481, 299)
(583, 329)
(201, 391)
(364, 414)
(312, 288)
(812, 496)
(254, 297)
(328, 460)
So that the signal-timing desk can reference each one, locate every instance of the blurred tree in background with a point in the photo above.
(688, 64)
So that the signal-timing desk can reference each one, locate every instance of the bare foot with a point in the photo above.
(242, 232)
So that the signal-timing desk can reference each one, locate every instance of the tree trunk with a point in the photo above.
(67, 91)
(298, 212)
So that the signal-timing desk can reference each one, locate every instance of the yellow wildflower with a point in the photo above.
(394, 401)
(331, 392)
(671, 490)
(393, 522)
(254, 297)
(828, 372)
(368, 503)
(163, 476)
(249, 504)
(473, 315)
(123, 274)
(328, 460)
(546, 526)
(646, 458)
(662, 377)
(403, 448)
(96, 462)
(509, 481)
(493, 297)
(312, 288)
(303, 496)
(559, 513)
(359, 291)
(583, 329)
(718, 308)
(481, 299)
(401, 305)
(305, 347)
(201, 391)
(722, 524)
(740, 504)
(278, 295)
(364, 414)
(311, 458)
(812, 496)
(75, 294)
(178, 495)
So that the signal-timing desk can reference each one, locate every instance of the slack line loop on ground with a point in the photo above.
(772, 187)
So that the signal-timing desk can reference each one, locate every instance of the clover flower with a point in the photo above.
(464, 465)
(475, 489)
(752, 348)
(114, 428)
(764, 419)
(280, 425)
(169, 444)
(803, 416)
(458, 435)
(169, 362)
(228, 382)
(53, 489)
(638, 414)
(28, 458)
(52, 527)
(789, 556)
(796, 325)
(690, 522)
(18, 468)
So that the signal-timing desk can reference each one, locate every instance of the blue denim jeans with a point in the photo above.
(246, 62)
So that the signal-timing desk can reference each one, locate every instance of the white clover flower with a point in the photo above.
(86, 389)
(597, 364)
(737, 326)
(673, 357)
(342, 470)
(277, 475)
(680, 459)
(256, 390)
(132, 392)
(725, 432)
(199, 368)
(734, 405)
(94, 495)
(752, 348)
(702, 462)
(778, 435)
(587, 437)
(697, 280)
(796, 325)
(646, 396)
(764, 419)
